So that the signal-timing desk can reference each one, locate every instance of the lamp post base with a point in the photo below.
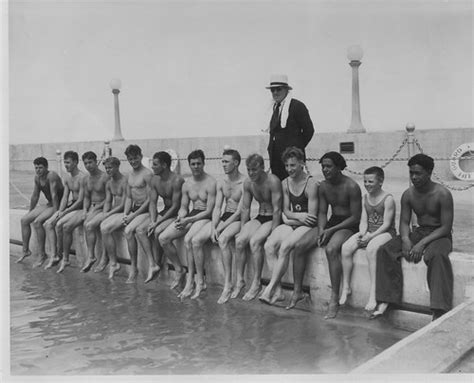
(118, 138)
(356, 128)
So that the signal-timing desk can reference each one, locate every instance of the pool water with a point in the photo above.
(78, 324)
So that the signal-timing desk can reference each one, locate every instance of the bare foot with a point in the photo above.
(63, 265)
(277, 297)
(41, 260)
(252, 293)
(26, 253)
(53, 262)
(200, 287)
(100, 267)
(152, 273)
(332, 309)
(88, 265)
(345, 293)
(225, 296)
(295, 298)
(113, 269)
(187, 291)
(132, 277)
(265, 297)
(179, 276)
(238, 289)
(371, 305)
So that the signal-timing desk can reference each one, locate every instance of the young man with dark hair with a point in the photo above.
(300, 209)
(165, 184)
(266, 189)
(200, 190)
(431, 240)
(49, 183)
(59, 226)
(225, 222)
(344, 196)
(136, 204)
(92, 212)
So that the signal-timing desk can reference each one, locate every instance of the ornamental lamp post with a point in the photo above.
(354, 54)
(115, 85)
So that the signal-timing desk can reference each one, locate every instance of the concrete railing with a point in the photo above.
(415, 291)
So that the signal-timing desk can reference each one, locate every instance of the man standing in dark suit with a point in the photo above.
(290, 124)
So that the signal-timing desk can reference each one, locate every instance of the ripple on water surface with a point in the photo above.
(77, 323)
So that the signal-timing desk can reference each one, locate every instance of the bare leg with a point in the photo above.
(71, 221)
(300, 253)
(347, 252)
(199, 239)
(91, 225)
(130, 231)
(40, 234)
(241, 241)
(145, 241)
(256, 248)
(50, 232)
(272, 248)
(107, 227)
(224, 244)
(371, 253)
(333, 255)
(26, 222)
(166, 241)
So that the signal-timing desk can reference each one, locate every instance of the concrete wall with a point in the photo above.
(371, 146)
(317, 276)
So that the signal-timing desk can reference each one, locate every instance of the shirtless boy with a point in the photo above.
(344, 196)
(92, 211)
(167, 185)
(200, 190)
(266, 189)
(49, 183)
(224, 226)
(431, 240)
(136, 204)
(60, 225)
(300, 209)
(115, 189)
(377, 226)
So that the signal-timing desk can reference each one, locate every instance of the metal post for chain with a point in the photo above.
(59, 162)
(410, 128)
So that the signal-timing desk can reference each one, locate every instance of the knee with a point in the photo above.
(88, 226)
(163, 239)
(223, 241)
(345, 250)
(25, 220)
(37, 225)
(197, 243)
(255, 245)
(187, 243)
(286, 248)
(129, 234)
(240, 243)
(142, 232)
(269, 247)
(332, 251)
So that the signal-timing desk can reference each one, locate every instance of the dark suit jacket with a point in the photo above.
(298, 131)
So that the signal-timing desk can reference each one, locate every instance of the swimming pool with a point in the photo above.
(78, 324)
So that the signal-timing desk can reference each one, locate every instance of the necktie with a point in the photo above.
(275, 120)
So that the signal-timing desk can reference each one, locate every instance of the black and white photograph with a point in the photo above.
(255, 190)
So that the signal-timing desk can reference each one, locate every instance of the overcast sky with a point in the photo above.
(200, 68)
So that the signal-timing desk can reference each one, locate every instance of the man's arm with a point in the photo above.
(405, 218)
(87, 196)
(246, 202)
(35, 195)
(445, 200)
(54, 186)
(305, 124)
(276, 200)
(108, 198)
(323, 208)
(152, 192)
(63, 203)
(216, 213)
(175, 200)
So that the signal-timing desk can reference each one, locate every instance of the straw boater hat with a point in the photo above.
(278, 80)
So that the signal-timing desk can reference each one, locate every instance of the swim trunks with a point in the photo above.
(163, 212)
(194, 212)
(135, 207)
(227, 215)
(337, 219)
(263, 218)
